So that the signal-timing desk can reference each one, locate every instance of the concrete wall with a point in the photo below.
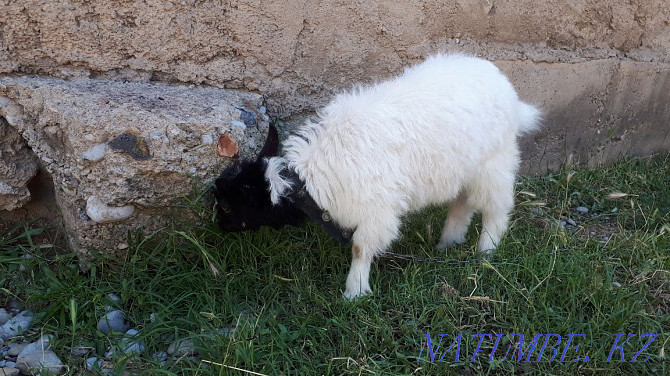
(599, 69)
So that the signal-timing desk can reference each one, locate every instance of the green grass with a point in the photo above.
(270, 302)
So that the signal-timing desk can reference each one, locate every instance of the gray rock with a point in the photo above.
(80, 351)
(571, 222)
(94, 363)
(160, 356)
(10, 364)
(537, 211)
(182, 347)
(16, 325)
(157, 151)
(130, 345)
(2, 363)
(114, 321)
(37, 357)
(582, 209)
(4, 317)
(16, 348)
(9, 371)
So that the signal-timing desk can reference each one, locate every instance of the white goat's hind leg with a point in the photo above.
(369, 240)
(499, 201)
(457, 222)
(494, 224)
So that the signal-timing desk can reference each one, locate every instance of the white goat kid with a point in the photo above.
(444, 131)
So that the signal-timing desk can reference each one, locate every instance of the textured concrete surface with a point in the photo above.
(599, 70)
(595, 111)
(122, 156)
(18, 165)
(298, 52)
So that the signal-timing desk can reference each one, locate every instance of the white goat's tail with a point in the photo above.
(528, 118)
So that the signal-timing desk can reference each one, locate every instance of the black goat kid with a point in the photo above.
(243, 199)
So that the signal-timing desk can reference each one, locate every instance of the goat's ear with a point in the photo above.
(271, 147)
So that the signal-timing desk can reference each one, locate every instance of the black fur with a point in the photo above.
(243, 196)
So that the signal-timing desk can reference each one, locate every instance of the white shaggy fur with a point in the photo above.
(444, 131)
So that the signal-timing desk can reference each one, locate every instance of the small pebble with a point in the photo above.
(156, 135)
(537, 211)
(16, 325)
(616, 284)
(93, 363)
(4, 316)
(239, 124)
(130, 346)
(563, 223)
(95, 153)
(571, 222)
(9, 371)
(262, 110)
(181, 348)
(114, 321)
(109, 354)
(161, 357)
(206, 139)
(38, 356)
(226, 332)
(80, 351)
(10, 364)
(99, 212)
(16, 348)
(582, 209)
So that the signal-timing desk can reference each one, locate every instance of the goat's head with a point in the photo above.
(243, 198)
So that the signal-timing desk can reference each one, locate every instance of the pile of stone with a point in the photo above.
(122, 156)
(20, 357)
(128, 343)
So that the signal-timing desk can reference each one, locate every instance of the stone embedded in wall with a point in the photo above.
(123, 156)
(18, 165)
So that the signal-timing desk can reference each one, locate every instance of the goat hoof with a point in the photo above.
(353, 295)
(448, 243)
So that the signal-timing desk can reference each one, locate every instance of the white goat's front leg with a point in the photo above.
(456, 225)
(369, 240)
(358, 280)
